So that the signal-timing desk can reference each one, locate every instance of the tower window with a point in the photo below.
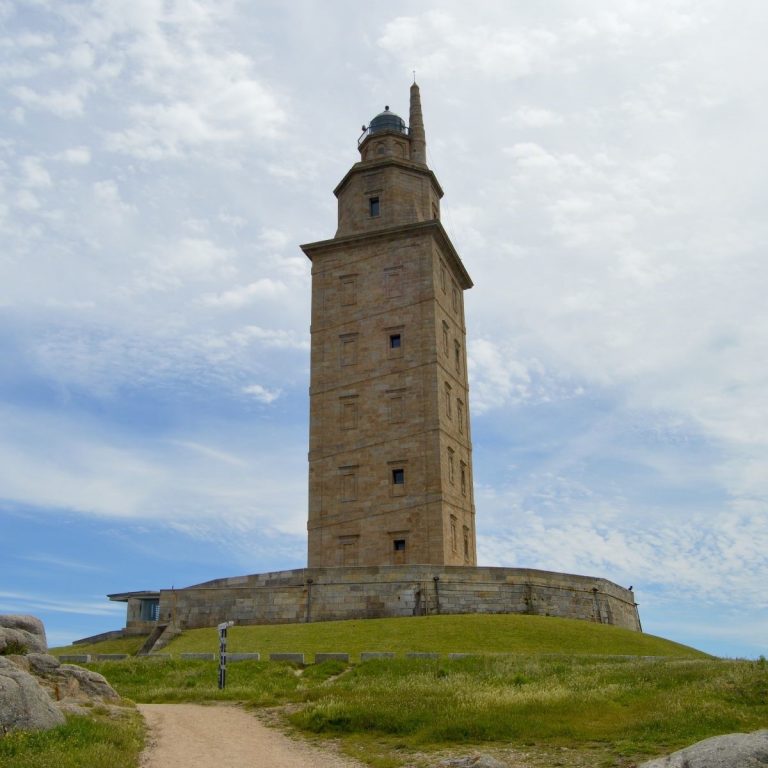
(399, 545)
(395, 341)
(374, 207)
(398, 476)
(463, 479)
(450, 465)
(457, 355)
(445, 337)
(466, 543)
(460, 415)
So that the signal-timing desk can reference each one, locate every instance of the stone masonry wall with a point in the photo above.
(332, 594)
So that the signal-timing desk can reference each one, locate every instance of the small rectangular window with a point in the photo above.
(447, 399)
(463, 479)
(445, 337)
(399, 545)
(454, 545)
(398, 476)
(466, 543)
(455, 298)
(374, 207)
(457, 355)
(395, 341)
(450, 465)
(460, 415)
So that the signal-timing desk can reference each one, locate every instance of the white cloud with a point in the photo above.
(76, 155)
(97, 606)
(269, 337)
(437, 43)
(263, 288)
(262, 394)
(63, 103)
(171, 265)
(34, 173)
(535, 117)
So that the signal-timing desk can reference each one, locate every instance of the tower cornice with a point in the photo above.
(432, 226)
(366, 166)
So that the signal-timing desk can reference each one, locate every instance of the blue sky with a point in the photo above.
(160, 162)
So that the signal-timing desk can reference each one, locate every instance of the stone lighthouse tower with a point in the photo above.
(390, 455)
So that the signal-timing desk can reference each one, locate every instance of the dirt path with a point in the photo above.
(196, 736)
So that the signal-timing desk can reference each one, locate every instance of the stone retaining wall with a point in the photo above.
(332, 594)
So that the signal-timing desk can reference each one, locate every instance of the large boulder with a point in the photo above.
(36, 689)
(67, 682)
(734, 750)
(22, 633)
(24, 704)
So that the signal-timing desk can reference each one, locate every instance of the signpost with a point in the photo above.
(223, 627)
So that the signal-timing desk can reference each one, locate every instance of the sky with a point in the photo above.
(606, 185)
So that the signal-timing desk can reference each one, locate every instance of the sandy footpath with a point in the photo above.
(196, 736)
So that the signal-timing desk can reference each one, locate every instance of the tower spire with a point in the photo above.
(416, 127)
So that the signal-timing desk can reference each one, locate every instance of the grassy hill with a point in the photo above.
(476, 634)
(548, 691)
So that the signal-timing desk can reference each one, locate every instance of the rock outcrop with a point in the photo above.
(24, 703)
(734, 750)
(36, 689)
(22, 634)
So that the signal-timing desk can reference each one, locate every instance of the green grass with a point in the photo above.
(631, 706)
(258, 683)
(443, 634)
(129, 645)
(550, 687)
(100, 741)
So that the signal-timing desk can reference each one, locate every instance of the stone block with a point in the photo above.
(372, 655)
(295, 658)
(76, 658)
(243, 657)
(421, 655)
(198, 656)
(321, 657)
(109, 656)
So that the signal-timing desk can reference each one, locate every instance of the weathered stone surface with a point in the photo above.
(321, 657)
(388, 591)
(26, 631)
(734, 750)
(66, 682)
(243, 656)
(76, 658)
(295, 658)
(199, 656)
(24, 703)
(90, 684)
(373, 655)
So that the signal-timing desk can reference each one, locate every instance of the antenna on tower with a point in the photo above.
(414, 75)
